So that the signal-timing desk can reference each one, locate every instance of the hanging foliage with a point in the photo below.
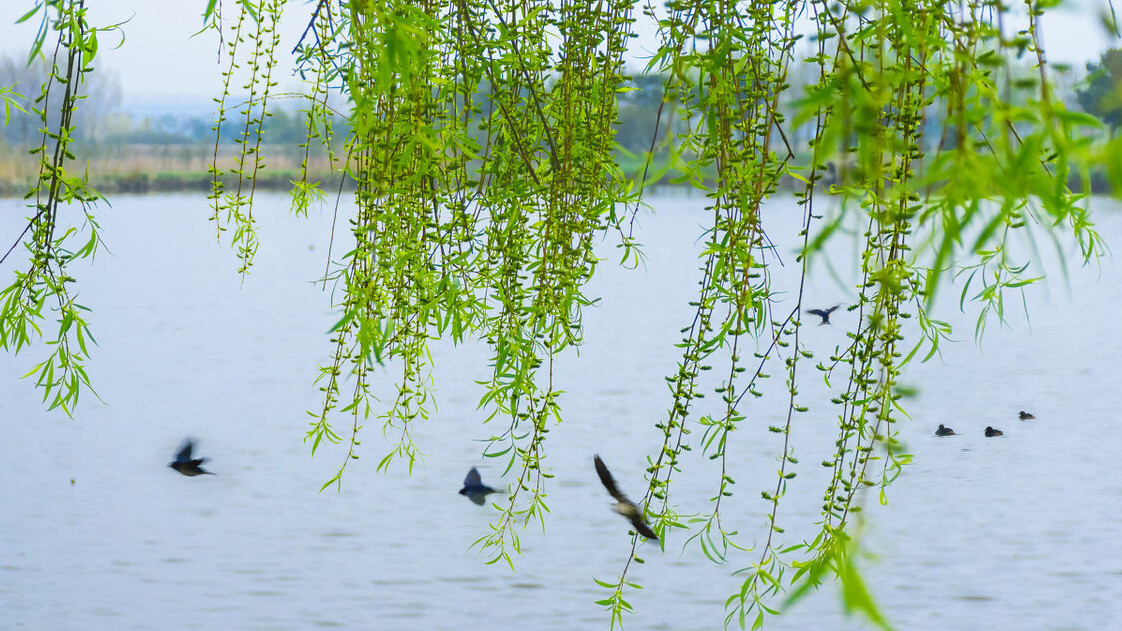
(481, 150)
(43, 290)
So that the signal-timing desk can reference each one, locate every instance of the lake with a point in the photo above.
(97, 533)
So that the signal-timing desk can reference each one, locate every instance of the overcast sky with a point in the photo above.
(161, 59)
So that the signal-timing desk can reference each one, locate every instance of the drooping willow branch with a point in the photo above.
(482, 147)
(479, 138)
(58, 192)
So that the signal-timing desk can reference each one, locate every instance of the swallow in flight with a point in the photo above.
(474, 489)
(183, 462)
(823, 313)
(623, 506)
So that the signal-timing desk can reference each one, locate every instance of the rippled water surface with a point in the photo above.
(1020, 532)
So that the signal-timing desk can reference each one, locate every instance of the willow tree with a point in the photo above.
(481, 150)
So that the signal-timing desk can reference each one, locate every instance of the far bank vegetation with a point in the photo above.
(144, 149)
(149, 149)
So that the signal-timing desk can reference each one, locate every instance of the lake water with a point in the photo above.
(1020, 532)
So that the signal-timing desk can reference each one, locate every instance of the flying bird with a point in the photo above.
(474, 489)
(183, 462)
(823, 313)
(623, 506)
(991, 432)
(944, 431)
(1025, 416)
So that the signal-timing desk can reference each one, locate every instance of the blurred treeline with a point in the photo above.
(130, 151)
(144, 149)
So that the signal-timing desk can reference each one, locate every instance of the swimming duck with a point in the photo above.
(1025, 416)
(991, 432)
(944, 431)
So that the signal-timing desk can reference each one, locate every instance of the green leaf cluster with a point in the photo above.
(481, 144)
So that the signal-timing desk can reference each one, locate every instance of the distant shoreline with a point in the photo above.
(198, 181)
(110, 181)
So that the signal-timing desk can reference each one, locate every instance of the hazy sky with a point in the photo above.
(160, 58)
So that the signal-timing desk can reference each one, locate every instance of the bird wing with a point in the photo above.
(184, 454)
(641, 526)
(477, 498)
(473, 478)
(832, 309)
(608, 482)
(818, 312)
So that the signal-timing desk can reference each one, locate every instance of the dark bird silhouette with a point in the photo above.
(183, 462)
(474, 489)
(1025, 416)
(991, 432)
(823, 313)
(623, 506)
(944, 431)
